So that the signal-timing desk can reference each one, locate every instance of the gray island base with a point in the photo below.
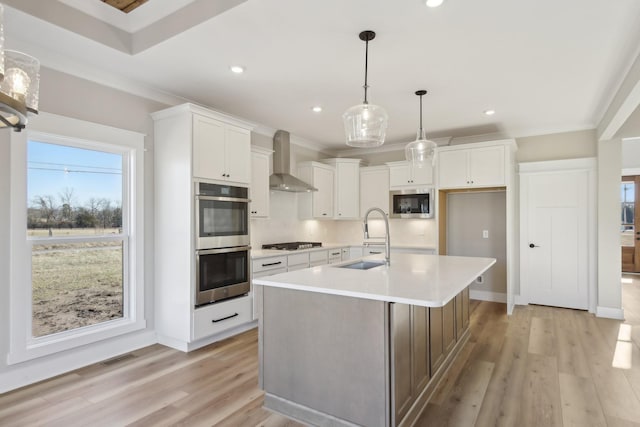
(343, 347)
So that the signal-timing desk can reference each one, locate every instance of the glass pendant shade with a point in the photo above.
(421, 151)
(365, 125)
(19, 85)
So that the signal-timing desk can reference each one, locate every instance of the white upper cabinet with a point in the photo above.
(374, 188)
(480, 166)
(317, 204)
(259, 206)
(403, 175)
(346, 187)
(221, 151)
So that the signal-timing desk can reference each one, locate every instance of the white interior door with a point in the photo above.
(555, 238)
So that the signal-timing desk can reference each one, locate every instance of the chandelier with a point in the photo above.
(19, 84)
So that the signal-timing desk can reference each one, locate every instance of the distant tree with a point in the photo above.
(66, 210)
(48, 210)
(85, 219)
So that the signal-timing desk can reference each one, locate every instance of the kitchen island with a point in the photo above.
(351, 346)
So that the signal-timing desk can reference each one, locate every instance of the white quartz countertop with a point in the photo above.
(265, 253)
(425, 280)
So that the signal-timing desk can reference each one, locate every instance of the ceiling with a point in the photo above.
(545, 66)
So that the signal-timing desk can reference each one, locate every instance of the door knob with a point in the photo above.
(531, 245)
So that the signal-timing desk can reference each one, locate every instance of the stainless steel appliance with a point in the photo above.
(222, 273)
(222, 216)
(414, 203)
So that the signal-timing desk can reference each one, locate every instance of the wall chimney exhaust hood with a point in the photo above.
(281, 179)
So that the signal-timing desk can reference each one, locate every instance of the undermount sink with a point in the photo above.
(363, 265)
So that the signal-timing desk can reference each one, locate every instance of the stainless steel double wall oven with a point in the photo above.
(222, 241)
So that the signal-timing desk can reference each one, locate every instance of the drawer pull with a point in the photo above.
(271, 263)
(374, 253)
(224, 318)
(335, 253)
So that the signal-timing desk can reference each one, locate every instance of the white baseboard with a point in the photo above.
(488, 296)
(190, 346)
(32, 371)
(520, 300)
(610, 313)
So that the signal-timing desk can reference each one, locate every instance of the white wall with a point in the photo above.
(631, 153)
(69, 96)
(558, 146)
(609, 253)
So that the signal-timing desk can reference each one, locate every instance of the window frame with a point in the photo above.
(51, 128)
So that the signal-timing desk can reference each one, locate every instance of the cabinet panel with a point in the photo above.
(347, 190)
(486, 166)
(402, 379)
(208, 148)
(465, 308)
(237, 154)
(423, 175)
(323, 180)
(318, 258)
(420, 348)
(459, 322)
(374, 189)
(399, 176)
(436, 345)
(259, 206)
(449, 326)
(452, 169)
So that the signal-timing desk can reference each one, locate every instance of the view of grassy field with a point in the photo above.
(75, 285)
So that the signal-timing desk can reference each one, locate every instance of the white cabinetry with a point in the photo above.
(479, 166)
(266, 267)
(221, 151)
(317, 204)
(318, 258)
(177, 157)
(335, 255)
(374, 188)
(346, 187)
(403, 175)
(259, 195)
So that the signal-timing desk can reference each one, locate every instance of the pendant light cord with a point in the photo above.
(366, 67)
(420, 114)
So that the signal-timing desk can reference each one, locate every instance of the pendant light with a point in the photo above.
(365, 124)
(19, 85)
(421, 151)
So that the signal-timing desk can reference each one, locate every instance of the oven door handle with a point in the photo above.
(222, 250)
(223, 199)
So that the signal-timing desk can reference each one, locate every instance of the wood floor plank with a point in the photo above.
(617, 422)
(449, 380)
(571, 356)
(462, 406)
(540, 404)
(542, 337)
(580, 404)
(502, 401)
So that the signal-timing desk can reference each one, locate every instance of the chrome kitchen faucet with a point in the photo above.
(387, 245)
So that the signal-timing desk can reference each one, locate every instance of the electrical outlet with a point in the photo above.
(480, 279)
(485, 234)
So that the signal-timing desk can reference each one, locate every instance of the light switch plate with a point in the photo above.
(485, 234)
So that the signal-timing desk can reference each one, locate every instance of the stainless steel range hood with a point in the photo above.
(281, 179)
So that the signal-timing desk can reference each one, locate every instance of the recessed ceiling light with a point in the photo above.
(317, 109)
(237, 69)
(433, 3)
(489, 112)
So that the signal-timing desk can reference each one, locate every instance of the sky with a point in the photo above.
(630, 192)
(88, 173)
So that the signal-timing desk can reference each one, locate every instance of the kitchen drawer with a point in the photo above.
(267, 264)
(376, 250)
(318, 258)
(219, 317)
(298, 261)
(335, 255)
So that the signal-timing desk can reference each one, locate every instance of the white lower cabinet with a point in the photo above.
(215, 318)
(266, 267)
(318, 258)
(335, 255)
(298, 261)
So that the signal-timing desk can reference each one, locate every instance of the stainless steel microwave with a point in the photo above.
(414, 203)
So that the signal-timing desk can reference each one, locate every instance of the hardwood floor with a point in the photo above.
(542, 366)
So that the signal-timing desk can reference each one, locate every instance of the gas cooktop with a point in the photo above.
(292, 246)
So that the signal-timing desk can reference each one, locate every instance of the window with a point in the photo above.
(627, 210)
(77, 274)
(77, 235)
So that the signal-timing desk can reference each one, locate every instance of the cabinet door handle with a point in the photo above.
(531, 245)
(271, 263)
(224, 318)
(324, 214)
